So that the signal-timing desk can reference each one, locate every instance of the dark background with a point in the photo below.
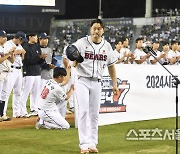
(83, 9)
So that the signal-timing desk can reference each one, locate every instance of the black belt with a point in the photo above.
(16, 67)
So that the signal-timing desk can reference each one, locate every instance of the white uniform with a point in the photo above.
(52, 95)
(122, 51)
(139, 54)
(88, 87)
(4, 69)
(14, 80)
(158, 55)
(71, 80)
(172, 54)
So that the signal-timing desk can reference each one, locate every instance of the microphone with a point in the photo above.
(148, 49)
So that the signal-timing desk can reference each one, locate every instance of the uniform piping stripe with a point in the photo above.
(52, 119)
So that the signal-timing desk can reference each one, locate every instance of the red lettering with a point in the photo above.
(86, 55)
(44, 93)
(105, 57)
(100, 57)
(96, 57)
(91, 56)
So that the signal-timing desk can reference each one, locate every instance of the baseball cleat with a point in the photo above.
(25, 116)
(33, 113)
(84, 151)
(93, 150)
(1, 119)
(6, 118)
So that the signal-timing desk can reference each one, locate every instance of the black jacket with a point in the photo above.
(32, 60)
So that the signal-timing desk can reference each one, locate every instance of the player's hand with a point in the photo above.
(51, 66)
(11, 51)
(115, 90)
(43, 56)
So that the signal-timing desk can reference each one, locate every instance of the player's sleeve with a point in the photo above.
(78, 45)
(112, 57)
(61, 95)
(64, 52)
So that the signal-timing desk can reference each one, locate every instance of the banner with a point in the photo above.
(145, 92)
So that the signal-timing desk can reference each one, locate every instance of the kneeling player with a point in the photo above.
(53, 94)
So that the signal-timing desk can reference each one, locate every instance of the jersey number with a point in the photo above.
(44, 92)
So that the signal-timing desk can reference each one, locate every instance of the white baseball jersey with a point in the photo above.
(96, 57)
(6, 64)
(172, 54)
(158, 55)
(51, 95)
(17, 58)
(124, 50)
(139, 54)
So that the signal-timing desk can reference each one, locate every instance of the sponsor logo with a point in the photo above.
(113, 103)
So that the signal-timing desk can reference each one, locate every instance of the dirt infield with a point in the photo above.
(26, 122)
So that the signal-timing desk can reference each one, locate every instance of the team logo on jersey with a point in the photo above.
(113, 103)
(101, 57)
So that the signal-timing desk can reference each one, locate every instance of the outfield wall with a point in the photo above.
(146, 92)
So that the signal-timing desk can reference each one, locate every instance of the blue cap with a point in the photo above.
(43, 36)
(21, 35)
(3, 33)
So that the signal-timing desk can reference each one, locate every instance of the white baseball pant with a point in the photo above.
(32, 86)
(62, 107)
(3, 76)
(14, 83)
(52, 119)
(88, 93)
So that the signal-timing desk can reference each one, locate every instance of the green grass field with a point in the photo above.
(112, 139)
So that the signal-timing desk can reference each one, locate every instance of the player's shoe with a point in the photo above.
(38, 125)
(93, 150)
(33, 113)
(25, 116)
(68, 112)
(6, 118)
(84, 151)
(71, 109)
(1, 119)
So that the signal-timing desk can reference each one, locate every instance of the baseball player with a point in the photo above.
(118, 46)
(129, 57)
(47, 66)
(51, 96)
(178, 53)
(140, 56)
(32, 75)
(172, 54)
(14, 78)
(6, 58)
(165, 47)
(159, 56)
(92, 54)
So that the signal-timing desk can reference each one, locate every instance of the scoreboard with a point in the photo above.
(33, 6)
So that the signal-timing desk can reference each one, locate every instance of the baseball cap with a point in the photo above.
(3, 33)
(43, 36)
(21, 35)
(73, 54)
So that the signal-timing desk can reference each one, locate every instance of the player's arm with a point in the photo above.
(69, 93)
(66, 80)
(112, 73)
(11, 57)
(3, 58)
(66, 62)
